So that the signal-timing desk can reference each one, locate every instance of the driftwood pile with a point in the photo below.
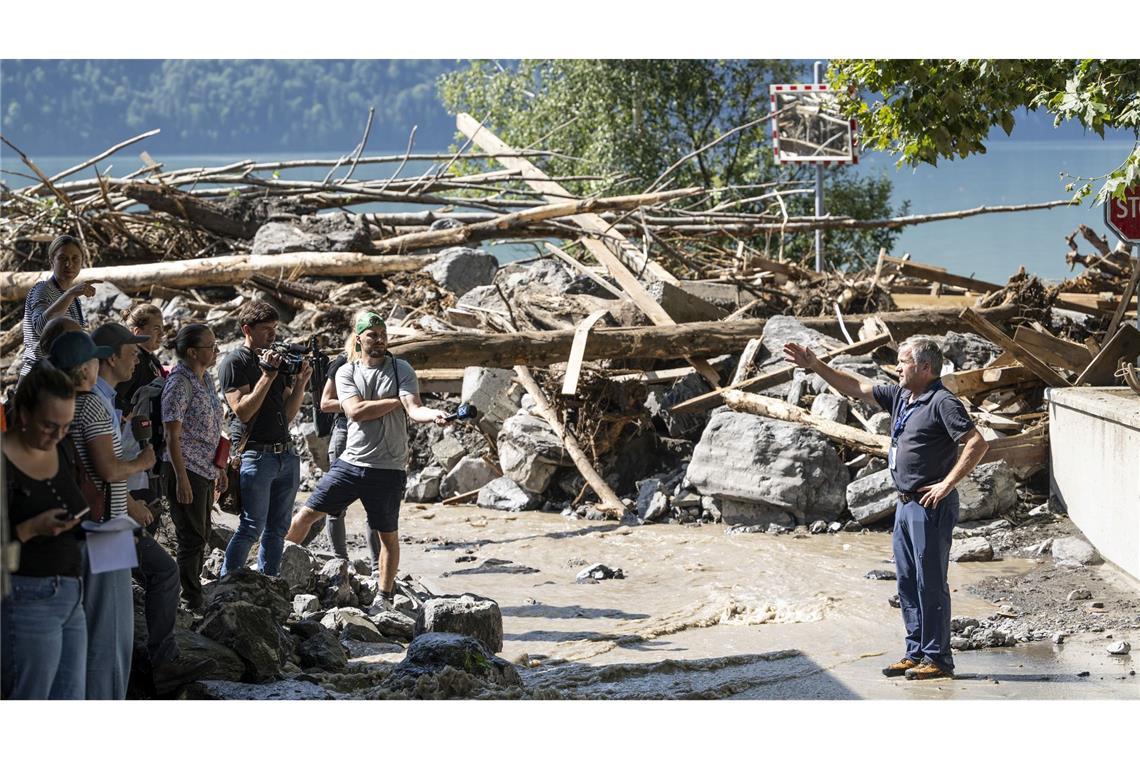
(693, 283)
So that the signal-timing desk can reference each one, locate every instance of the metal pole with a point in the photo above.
(817, 70)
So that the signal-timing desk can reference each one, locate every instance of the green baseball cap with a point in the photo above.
(368, 319)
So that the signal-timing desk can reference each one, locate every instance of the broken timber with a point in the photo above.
(992, 333)
(1102, 370)
(869, 443)
(224, 270)
(542, 348)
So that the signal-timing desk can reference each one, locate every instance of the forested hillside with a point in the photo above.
(53, 107)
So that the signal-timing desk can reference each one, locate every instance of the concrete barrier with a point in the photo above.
(1094, 454)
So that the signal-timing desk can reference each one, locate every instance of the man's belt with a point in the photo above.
(267, 448)
(906, 496)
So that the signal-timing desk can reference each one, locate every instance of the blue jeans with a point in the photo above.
(921, 543)
(110, 608)
(45, 639)
(269, 484)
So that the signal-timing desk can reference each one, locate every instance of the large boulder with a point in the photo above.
(494, 393)
(461, 270)
(107, 302)
(352, 624)
(466, 614)
(964, 350)
(977, 549)
(872, 498)
(224, 662)
(530, 452)
(988, 491)
(470, 474)
(447, 451)
(431, 653)
(734, 513)
(393, 624)
(424, 485)
(261, 643)
(830, 407)
(320, 232)
(507, 495)
(245, 585)
(743, 457)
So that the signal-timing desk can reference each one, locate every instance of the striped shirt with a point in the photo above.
(92, 421)
(40, 298)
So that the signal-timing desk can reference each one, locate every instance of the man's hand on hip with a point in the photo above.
(933, 494)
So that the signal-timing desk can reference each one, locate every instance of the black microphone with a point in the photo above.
(464, 412)
(142, 430)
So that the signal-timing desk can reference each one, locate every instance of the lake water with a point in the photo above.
(989, 247)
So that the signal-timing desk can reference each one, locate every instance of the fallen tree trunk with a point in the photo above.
(868, 443)
(697, 339)
(205, 214)
(224, 270)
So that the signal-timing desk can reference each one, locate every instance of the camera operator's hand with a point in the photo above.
(305, 372)
(269, 362)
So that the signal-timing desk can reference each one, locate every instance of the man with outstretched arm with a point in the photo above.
(378, 393)
(928, 424)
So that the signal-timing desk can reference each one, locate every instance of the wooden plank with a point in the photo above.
(860, 440)
(988, 331)
(578, 352)
(938, 274)
(775, 377)
(1052, 350)
(579, 266)
(1125, 299)
(1124, 345)
(969, 383)
(925, 300)
(591, 223)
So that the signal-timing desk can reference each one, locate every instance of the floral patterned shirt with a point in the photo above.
(196, 405)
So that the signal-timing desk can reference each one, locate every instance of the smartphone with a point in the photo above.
(77, 515)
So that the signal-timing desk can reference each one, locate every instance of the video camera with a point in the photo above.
(293, 354)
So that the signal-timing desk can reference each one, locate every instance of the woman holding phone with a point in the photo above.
(43, 626)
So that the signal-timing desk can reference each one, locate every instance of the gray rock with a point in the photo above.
(447, 451)
(976, 549)
(872, 498)
(874, 464)
(224, 662)
(658, 508)
(961, 623)
(507, 495)
(646, 489)
(432, 652)
(220, 537)
(303, 603)
(684, 425)
(392, 623)
(991, 489)
(1119, 648)
(790, 467)
(212, 565)
(1059, 638)
(819, 526)
(467, 614)
(461, 270)
(323, 650)
(494, 393)
(335, 572)
(244, 585)
(297, 566)
(260, 642)
(287, 237)
(1075, 552)
(599, 572)
(423, 486)
(469, 474)
(108, 301)
(710, 509)
(530, 453)
(880, 423)
(881, 575)
(682, 306)
(352, 623)
(830, 407)
(1079, 594)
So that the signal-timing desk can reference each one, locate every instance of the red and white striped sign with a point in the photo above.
(849, 154)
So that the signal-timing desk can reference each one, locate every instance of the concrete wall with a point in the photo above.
(1094, 451)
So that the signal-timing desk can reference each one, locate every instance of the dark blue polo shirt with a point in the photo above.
(928, 442)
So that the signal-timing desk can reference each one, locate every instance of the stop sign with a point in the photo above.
(1122, 215)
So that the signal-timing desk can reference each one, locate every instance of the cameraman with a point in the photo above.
(378, 393)
(263, 400)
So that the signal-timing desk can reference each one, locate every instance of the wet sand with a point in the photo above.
(702, 614)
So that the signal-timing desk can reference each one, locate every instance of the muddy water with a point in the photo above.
(705, 614)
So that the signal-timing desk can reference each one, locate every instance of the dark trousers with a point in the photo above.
(158, 575)
(192, 528)
(921, 543)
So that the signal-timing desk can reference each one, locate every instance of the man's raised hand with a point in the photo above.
(801, 356)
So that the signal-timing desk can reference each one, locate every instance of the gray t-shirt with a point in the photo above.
(381, 443)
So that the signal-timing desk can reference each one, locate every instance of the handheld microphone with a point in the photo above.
(464, 412)
(142, 430)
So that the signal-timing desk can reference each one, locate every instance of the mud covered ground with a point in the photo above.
(705, 614)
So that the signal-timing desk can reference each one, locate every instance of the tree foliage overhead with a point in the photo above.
(932, 109)
(77, 107)
(630, 120)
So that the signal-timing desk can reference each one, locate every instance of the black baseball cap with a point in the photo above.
(116, 335)
(74, 348)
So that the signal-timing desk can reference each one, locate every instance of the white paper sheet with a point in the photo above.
(111, 544)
